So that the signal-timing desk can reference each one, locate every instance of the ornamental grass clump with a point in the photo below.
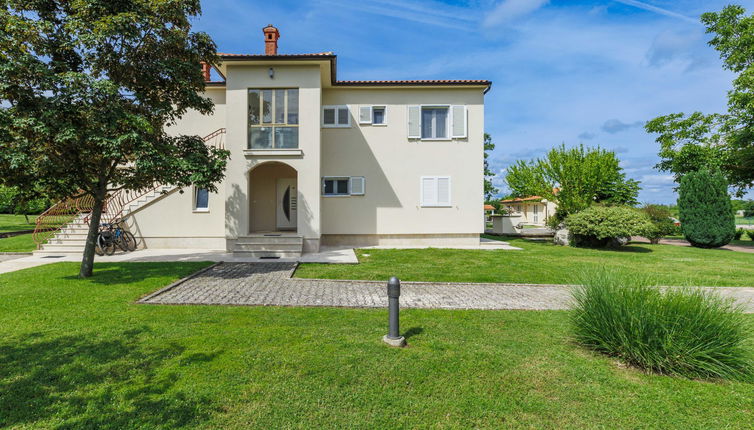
(683, 332)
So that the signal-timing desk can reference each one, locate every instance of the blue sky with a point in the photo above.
(563, 71)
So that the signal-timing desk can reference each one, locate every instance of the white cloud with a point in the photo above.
(509, 10)
(659, 10)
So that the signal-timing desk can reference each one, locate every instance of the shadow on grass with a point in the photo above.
(413, 331)
(128, 272)
(88, 382)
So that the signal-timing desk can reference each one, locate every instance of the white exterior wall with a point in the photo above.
(393, 165)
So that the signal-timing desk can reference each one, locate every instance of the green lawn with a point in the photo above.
(21, 243)
(80, 354)
(16, 223)
(543, 263)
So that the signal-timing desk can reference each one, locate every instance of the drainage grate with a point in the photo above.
(268, 257)
(53, 256)
(274, 235)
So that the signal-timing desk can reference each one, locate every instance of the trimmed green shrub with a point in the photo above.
(705, 210)
(737, 235)
(750, 233)
(662, 223)
(684, 332)
(607, 226)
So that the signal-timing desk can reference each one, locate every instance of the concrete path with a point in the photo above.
(330, 255)
(327, 255)
(271, 284)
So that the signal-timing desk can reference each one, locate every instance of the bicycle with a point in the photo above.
(112, 235)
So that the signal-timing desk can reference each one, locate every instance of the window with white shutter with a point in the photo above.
(343, 186)
(435, 191)
(414, 122)
(459, 121)
(335, 116)
(357, 185)
(365, 115)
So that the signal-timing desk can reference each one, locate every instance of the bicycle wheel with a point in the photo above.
(120, 240)
(105, 244)
(98, 249)
(129, 240)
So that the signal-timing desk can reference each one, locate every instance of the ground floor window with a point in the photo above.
(201, 199)
(343, 186)
(435, 191)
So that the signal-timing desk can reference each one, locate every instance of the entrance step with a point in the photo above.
(269, 245)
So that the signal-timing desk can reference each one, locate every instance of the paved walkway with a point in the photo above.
(271, 284)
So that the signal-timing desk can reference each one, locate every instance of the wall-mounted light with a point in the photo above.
(271, 72)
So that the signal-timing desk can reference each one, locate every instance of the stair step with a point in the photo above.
(260, 254)
(268, 247)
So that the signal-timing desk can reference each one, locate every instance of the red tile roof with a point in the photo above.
(522, 199)
(333, 58)
(489, 208)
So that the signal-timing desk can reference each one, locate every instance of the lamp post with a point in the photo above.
(393, 338)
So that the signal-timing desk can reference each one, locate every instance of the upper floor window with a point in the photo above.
(437, 122)
(335, 116)
(273, 118)
(374, 115)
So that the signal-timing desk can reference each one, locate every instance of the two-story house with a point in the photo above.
(317, 161)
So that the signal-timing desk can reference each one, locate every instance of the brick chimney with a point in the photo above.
(206, 71)
(271, 36)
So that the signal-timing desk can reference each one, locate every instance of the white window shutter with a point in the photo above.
(365, 115)
(414, 122)
(443, 191)
(460, 121)
(358, 185)
(428, 191)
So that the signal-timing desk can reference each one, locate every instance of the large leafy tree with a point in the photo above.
(720, 141)
(574, 177)
(489, 188)
(88, 87)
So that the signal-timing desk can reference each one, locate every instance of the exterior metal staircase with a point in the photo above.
(63, 227)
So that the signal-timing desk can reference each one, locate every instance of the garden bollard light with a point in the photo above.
(393, 338)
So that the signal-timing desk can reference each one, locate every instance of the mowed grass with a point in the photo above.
(544, 263)
(80, 354)
(20, 243)
(10, 222)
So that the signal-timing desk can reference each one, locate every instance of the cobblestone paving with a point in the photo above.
(271, 284)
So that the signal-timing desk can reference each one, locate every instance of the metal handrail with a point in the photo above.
(61, 214)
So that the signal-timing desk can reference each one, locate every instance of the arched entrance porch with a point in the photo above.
(273, 198)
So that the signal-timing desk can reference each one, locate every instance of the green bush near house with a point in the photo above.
(683, 332)
(750, 233)
(662, 223)
(738, 234)
(705, 210)
(600, 226)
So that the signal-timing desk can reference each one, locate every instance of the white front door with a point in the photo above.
(287, 203)
(536, 214)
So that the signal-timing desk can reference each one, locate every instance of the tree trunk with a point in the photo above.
(27, 218)
(87, 263)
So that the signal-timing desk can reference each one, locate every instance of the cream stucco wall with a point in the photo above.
(306, 162)
(170, 221)
(393, 165)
